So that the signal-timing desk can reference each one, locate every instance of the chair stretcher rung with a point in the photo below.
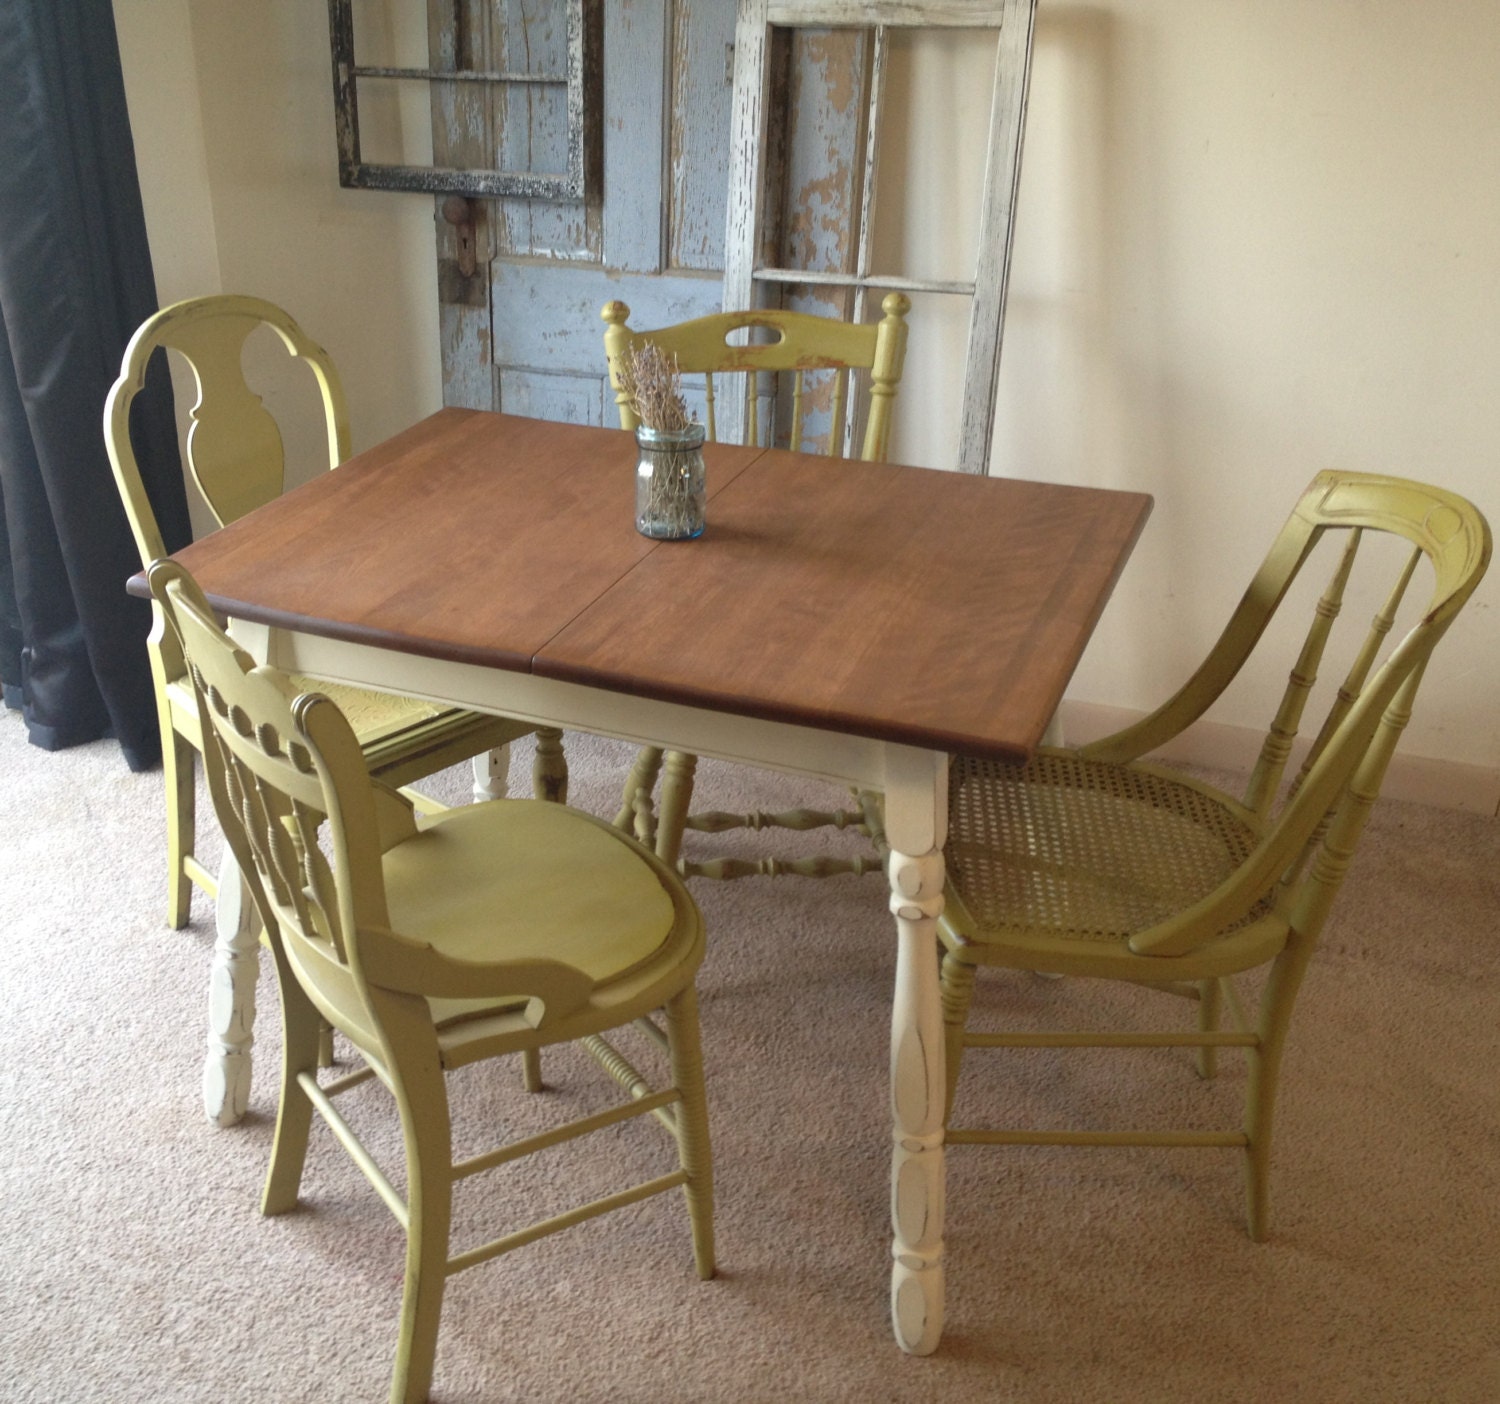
(351, 1143)
(1097, 1138)
(619, 1067)
(559, 1134)
(1222, 1038)
(200, 875)
(343, 1084)
(648, 1026)
(558, 1222)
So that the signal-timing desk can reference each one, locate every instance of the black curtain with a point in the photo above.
(75, 282)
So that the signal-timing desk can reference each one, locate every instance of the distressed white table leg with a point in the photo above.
(916, 820)
(231, 999)
(492, 774)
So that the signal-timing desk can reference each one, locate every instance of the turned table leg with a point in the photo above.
(231, 999)
(491, 774)
(916, 819)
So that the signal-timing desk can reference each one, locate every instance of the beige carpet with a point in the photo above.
(137, 1267)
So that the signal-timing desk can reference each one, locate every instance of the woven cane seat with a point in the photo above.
(1064, 846)
(371, 713)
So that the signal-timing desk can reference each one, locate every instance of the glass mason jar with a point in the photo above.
(669, 487)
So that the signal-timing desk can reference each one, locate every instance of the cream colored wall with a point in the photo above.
(232, 111)
(1254, 240)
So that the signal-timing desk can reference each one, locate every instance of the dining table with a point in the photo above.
(855, 622)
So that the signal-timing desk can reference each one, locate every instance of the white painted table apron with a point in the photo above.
(914, 783)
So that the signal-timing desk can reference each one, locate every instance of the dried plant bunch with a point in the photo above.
(651, 378)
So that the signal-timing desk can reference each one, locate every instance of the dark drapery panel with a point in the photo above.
(75, 282)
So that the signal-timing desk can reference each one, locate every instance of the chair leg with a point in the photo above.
(957, 988)
(642, 777)
(1276, 1002)
(531, 1069)
(430, 1195)
(492, 774)
(1210, 996)
(422, 1099)
(692, 1124)
(302, 1030)
(177, 767)
(549, 769)
(676, 798)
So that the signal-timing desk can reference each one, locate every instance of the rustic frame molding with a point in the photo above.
(583, 99)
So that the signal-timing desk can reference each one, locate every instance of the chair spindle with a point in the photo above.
(1277, 747)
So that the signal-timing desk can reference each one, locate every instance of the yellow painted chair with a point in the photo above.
(235, 454)
(1096, 862)
(491, 929)
(795, 368)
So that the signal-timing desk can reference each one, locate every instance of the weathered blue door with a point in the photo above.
(521, 331)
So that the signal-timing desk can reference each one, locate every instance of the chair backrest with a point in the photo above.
(791, 342)
(1314, 818)
(234, 449)
(307, 828)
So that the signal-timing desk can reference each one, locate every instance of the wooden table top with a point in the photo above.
(935, 609)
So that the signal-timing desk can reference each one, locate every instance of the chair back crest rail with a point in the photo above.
(234, 449)
(1313, 820)
(817, 355)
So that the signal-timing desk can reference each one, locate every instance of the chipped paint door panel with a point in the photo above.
(522, 331)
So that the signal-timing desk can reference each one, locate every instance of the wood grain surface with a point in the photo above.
(471, 535)
(936, 609)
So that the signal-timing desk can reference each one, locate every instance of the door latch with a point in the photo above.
(459, 212)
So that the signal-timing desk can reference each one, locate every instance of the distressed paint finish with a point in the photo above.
(761, 29)
(560, 172)
(521, 333)
(822, 177)
(635, 38)
(570, 399)
(458, 36)
(532, 133)
(550, 332)
(700, 85)
(996, 234)
(822, 172)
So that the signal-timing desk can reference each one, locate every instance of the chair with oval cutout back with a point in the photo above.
(235, 454)
(1097, 862)
(818, 358)
(488, 930)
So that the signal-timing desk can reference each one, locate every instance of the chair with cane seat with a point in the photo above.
(800, 384)
(235, 454)
(490, 929)
(1096, 862)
